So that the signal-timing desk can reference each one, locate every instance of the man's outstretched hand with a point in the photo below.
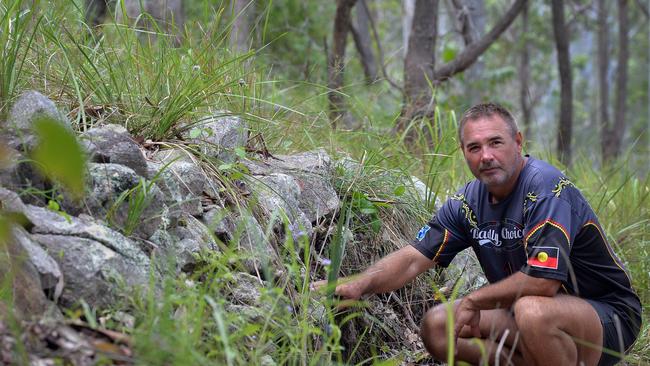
(349, 290)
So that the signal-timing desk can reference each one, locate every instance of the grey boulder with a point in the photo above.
(113, 144)
(24, 112)
(218, 135)
(97, 262)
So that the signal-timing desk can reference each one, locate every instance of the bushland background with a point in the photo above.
(379, 82)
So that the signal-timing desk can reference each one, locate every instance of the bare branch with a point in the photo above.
(469, 55)
(644, 10)
(379, 48)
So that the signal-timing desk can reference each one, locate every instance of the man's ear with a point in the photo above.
(519, 139)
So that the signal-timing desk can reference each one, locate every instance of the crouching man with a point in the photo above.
(558, 295)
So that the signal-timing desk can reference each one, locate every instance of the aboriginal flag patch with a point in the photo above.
(544, 257)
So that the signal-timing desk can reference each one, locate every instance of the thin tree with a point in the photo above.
(243, 12)
(419, 64)
(603, 81)
(611, 133)
(336, 63)
(363, 42)
(621, 80)
(524, 76)
(565, 127)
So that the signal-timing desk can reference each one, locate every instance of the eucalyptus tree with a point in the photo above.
(565, 123)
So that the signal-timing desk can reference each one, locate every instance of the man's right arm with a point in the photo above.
(390, 273)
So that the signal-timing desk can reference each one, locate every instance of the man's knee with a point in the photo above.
(531, 315)
(433, 331)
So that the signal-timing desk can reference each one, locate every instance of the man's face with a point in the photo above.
(492, 154)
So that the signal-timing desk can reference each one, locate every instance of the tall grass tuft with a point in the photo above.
(18, 26)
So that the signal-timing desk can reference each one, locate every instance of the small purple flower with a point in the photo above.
(326, 262)
(296, 231)
(289, 308)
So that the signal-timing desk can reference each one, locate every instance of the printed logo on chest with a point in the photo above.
(498, 234)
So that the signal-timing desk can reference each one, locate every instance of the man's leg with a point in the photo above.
(560, 330)
(495, 325)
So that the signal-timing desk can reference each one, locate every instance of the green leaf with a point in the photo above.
(448, 54)
(53, 205)
(369, 210)
(195, 132)
(399, 191)
(223, 167)
(375, 224)
(59, 156)
(239, 151)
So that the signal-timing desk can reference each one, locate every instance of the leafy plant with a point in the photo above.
(59, 156)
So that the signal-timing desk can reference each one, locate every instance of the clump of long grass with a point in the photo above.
(18, 26)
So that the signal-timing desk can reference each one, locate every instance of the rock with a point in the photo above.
(10, 202)
(279, 191)
(309, 184)
(19, 175)
(96, 261)
(113, 144)
(219, 135)
(315, 162)
(465, 268)
(245, 289)
(24, 112)
(418, 188)
(48, 269)
(219, 221)
(183, 183)
(193, 237)
(93, 271)
(253, 244)
(153, 215)
(317, 197)
(47, 222)
(28, 301)
(106, 183)
(267, 360)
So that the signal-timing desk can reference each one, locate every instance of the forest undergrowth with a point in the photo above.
(118, 74)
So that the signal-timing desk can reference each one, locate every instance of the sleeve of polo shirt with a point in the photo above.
(442, 237)
(548, 239)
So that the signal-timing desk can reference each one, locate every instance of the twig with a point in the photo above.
(379, 48)
(644, 10)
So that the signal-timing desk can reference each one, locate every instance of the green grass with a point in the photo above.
(116, 74)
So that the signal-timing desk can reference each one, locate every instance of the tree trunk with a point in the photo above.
(561, 33)
(95, 11)
(168, 14)
(336, 62)
(603, 81)
(419, 65)
(524, 76)
(363, 42)
(408, 8)
(243, 12)
(621, 78)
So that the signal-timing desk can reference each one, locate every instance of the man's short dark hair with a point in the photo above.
(486, 110)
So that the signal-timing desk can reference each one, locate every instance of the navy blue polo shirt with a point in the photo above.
(544, 228)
